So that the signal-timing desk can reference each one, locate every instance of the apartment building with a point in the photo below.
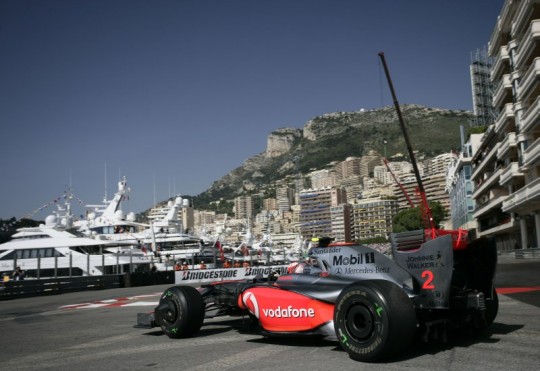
(285, 198)
(373, 217)
(340, 217)
(315, 205)
(323, 178)
(368, 163)
(270, 204)
(243, 207)
(434, 186)
(347, 168)
(506, 167)
(353, 186)
(460, 188)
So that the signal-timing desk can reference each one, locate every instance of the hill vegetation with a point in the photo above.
(334, 137)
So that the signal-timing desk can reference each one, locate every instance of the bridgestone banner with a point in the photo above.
(226, 274)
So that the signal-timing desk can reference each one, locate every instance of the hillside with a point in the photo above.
(336, 136)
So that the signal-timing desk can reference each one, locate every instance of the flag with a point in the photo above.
(220, 248)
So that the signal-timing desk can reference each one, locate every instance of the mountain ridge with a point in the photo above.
(334, 137)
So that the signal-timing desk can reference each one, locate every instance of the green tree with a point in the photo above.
(411, 219)
(407, 220)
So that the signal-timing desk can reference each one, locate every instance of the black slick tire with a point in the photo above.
(373, 320)
(492, 308)
(180, 312)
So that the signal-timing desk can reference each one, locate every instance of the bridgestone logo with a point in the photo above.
(289, 312)
(193, 275)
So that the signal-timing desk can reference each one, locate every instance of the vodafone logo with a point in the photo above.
(254, 307)
(289, 312)
(250, 301)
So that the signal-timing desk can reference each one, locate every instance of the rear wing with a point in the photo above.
(430, 263)
(412, 240)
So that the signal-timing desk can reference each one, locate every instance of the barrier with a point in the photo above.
(224, 274)
(51, 286)
(530, 253)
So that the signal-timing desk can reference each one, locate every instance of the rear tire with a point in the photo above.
(180, 312)
(374, 319)
(492, 308)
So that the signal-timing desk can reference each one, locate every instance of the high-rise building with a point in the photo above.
(372, 218)
(340, 217)
(323, 178)
(368, 163)
(285, 198)
(347, 168)
(352, 185)
(270, 204)
(439, 164)
(506, 167)
(315, 215)
(460, 188)
(243, 207)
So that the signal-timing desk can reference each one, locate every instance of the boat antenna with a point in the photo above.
(105, 197)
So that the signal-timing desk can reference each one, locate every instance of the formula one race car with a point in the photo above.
(372, 304)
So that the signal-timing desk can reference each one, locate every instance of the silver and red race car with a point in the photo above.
(372, 304)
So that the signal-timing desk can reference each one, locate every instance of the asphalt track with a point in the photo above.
(94, 330)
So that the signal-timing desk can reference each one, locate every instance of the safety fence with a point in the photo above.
(13, 289)
(530, 253)
(50, 286)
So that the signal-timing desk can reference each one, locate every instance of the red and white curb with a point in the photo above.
(130, 301)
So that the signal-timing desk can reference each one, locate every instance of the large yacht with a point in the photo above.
(107, 220)
(56, 249)
(166, 238)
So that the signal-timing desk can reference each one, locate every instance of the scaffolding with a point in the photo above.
(482, 88)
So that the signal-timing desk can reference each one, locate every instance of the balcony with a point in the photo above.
(486, 160)
(526, 200)
(503, 91)
(510, 172)
(530, 81)
(521, 18)
(531, 118)
(526, 49)
(531, 156)
(505, 226)
(502, 61)
(494, 203)
(506, 117)
(487, 184)
(501, 27)
(508, 142)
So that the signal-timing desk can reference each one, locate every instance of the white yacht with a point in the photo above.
(54, 250)
(166, 238)
(107, 221)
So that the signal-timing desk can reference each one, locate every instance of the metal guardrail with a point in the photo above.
(52, 286)
(520, 253)
(34, 287)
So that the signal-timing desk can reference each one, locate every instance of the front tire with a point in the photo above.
(374, 319)
(180, 312)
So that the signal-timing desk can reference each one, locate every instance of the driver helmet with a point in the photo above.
(296, 267)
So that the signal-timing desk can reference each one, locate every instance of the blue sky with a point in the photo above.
(175, 94)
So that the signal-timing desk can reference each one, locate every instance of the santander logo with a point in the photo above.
(254, 307)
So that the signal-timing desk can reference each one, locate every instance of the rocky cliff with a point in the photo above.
(336, 136)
